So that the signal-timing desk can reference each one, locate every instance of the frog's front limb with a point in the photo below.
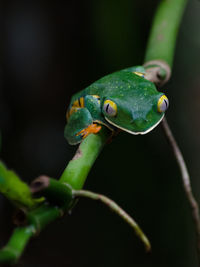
(80, 125)
(92, 128)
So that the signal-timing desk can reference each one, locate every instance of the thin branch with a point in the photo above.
(118, 210)
(186, 181)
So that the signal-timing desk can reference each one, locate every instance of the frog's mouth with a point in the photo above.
(132, 132)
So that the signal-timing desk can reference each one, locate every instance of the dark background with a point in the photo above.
(50, 50)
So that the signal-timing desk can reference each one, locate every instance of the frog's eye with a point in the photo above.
(110, 108)
(163, 104)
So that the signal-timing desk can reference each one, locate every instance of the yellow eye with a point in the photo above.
(163, 104)
(110, 108)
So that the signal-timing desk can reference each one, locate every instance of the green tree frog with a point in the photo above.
(122, 100)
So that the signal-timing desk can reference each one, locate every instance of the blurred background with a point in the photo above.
(49, 51)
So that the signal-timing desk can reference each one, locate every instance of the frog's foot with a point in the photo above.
(92, 128)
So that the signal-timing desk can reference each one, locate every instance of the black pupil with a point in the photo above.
(107, 108)
(166, 102)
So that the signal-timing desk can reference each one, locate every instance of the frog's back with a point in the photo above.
(120, 82)
(117, 83)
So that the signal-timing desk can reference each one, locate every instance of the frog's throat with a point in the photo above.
(136, 133)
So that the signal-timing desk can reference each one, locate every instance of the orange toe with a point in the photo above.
(92, 128)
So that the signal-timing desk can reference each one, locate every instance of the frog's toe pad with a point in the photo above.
(92, 128)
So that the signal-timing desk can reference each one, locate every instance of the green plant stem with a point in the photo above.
(186, 181)
(37, 220)
(78, 168)
(54, 191)
(15, 246)
(118, 210)
(43, 215)
(14, 189)
(163, 34)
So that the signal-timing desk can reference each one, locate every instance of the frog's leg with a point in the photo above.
(80, 125)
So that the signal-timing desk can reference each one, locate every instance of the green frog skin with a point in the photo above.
(122, 100)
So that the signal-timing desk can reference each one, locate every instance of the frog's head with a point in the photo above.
(135, 110)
